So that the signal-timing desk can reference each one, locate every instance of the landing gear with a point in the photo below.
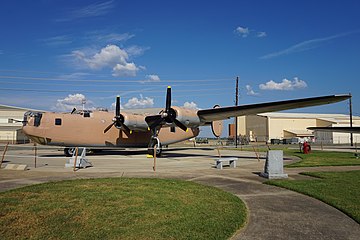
(69, 152)
(155, 142)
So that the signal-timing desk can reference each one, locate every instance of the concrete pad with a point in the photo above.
(275, 213)
(19, 167)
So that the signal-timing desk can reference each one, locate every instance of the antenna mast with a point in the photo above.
(236, 104)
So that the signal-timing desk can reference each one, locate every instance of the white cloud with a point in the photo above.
(74, 76)
(72, 101)
(261, 34)
(250, 91)
(139, 103)
(57, 40)
(109, 37)
(191, 105)
(110, 56)
(153, 78)
(128, 69)
(304, 46)
(136, 50)
(242, 31)
(91, 10)
(245, 32)
(285, 85)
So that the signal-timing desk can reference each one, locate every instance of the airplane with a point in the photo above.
(145, 128)
(336, 129)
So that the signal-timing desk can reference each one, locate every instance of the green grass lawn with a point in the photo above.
(338, 189)
(120, 208)
(322, 158)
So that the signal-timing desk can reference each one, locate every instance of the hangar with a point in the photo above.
(275, 125)
(10, 131)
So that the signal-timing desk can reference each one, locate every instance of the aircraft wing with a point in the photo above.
(336, 129)
(214, 114)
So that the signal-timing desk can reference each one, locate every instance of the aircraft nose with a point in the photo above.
(26, 129)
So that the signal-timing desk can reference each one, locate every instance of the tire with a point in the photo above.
(69, 152)
(152, 144)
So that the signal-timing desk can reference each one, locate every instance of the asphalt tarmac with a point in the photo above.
(274, 213)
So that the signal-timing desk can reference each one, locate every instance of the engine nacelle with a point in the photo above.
(187, 116)
(134, 121)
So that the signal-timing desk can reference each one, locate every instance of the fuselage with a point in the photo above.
(86, 129)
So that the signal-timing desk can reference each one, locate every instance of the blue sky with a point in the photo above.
(54, 53)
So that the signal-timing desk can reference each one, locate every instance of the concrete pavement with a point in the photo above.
(274, 213)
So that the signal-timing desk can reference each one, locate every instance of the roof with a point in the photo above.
(13, 108)
(300, 132)
(332, 117)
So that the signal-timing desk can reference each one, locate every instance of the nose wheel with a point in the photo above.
(155, 142)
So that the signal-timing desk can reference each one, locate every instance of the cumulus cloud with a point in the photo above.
(243, 31)
(127, 69)
(139, 102)
(72, 101)
(250, 91)
(110, 56)
(285, 85)
(191, 105)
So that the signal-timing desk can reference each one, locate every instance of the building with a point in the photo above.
(10, 130)
(267, 126)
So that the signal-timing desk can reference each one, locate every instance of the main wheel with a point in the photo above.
(155, 142)
(69, 152)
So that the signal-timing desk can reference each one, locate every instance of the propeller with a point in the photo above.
(118, 120)
(168, 115)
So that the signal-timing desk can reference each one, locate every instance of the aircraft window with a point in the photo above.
(86, 114)
(57, 121)
(37, 120)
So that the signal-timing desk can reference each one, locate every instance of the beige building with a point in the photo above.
(267, 126)
(10, 131)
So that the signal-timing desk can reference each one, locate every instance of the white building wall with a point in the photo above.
(272, 125)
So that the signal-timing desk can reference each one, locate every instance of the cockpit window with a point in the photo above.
(37, 119)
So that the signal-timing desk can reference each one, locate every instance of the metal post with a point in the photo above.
(154, 167)
(236, 103)
(76, 156)
(35, 154)
(351, 124)
(3, 156)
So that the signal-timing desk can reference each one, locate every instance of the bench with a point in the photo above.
(230, 160)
